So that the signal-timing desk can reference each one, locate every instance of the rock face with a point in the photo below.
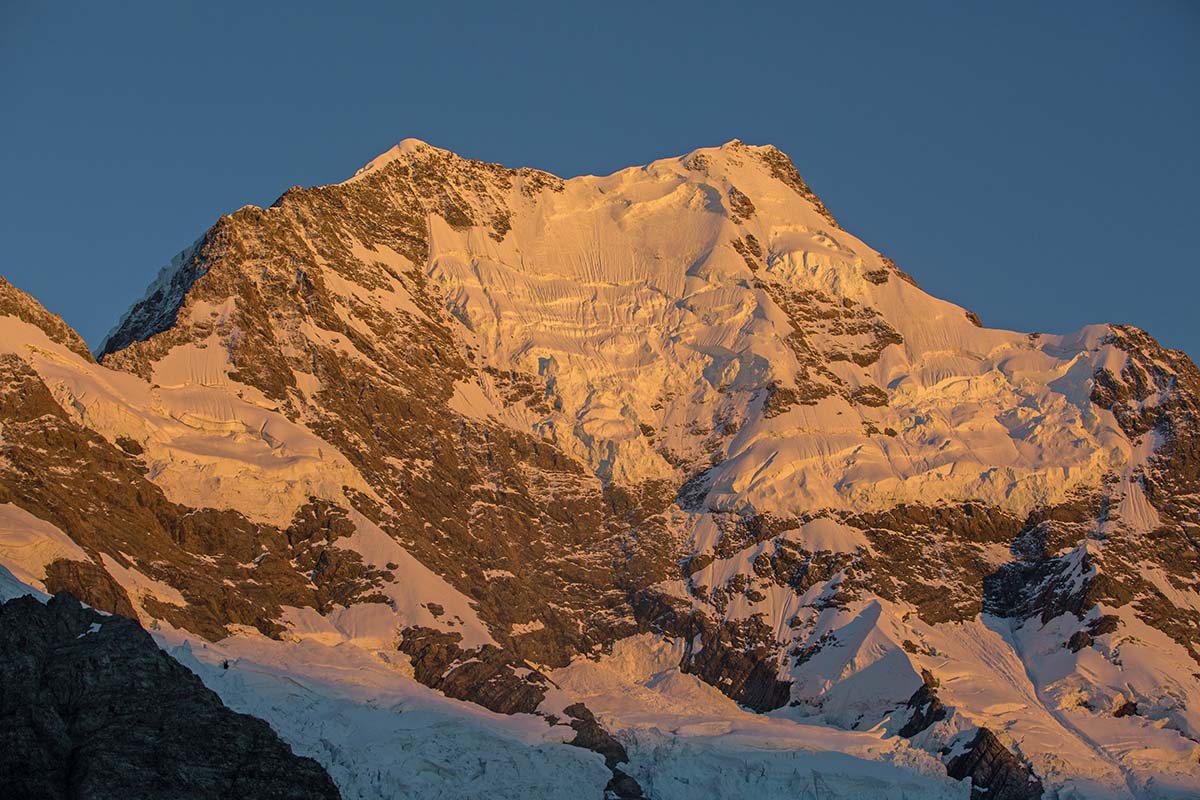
(491, 423)
(92, 708)
(925, 705)
(591, 735)
(995, 773)
(489, 676)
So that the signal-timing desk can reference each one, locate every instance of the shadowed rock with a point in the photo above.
(995, 773)
(92, 708)
(925, 706)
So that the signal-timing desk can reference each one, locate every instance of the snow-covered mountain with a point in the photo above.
(664, 464)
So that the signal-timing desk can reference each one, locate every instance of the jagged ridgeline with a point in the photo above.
(665, 465)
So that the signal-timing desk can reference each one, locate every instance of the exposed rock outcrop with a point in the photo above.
(995, 773)
(590, 734)
(494, 678)
(925, 707)
(741, 658)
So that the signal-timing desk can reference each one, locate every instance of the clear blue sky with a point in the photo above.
(1035, 162)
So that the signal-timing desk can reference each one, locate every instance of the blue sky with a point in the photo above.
(1035, 162)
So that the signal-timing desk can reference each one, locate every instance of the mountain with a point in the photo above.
(665, 464)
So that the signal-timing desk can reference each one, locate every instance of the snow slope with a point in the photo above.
(624, 295)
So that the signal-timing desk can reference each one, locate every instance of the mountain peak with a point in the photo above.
(668, 434)
(404, 149)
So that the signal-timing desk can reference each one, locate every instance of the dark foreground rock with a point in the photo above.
(91, 708)
(995, 773)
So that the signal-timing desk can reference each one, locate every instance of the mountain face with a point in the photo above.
(665, 464)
